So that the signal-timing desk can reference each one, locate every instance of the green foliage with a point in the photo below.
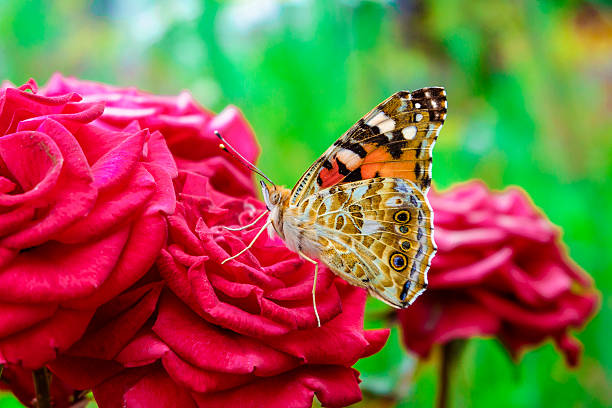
(527, 91)
(8, 401)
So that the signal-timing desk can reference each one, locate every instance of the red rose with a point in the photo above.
(501, 271)
(241, 333)
(82, 216)
(186, 126)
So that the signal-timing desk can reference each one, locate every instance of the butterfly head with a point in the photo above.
(272, 195)
(276, 198)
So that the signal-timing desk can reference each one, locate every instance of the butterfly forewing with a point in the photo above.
(376, 234)
(395, 139)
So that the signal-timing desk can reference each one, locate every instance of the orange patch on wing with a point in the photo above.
(403, 170)
(377, 154)
(381, 154)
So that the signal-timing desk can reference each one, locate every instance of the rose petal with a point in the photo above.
(145, 241)
(15, 317)
(55, 274)
(106, 339)
(45, 339)
(199, 380)
(211, 348)
(334, 386)
(156, 389)
(83, 373)
(144, 349)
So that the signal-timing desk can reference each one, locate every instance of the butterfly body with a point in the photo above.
(361, 208)
(297, 229)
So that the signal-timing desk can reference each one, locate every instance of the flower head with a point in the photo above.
(195, 331)
(243, 331)
(82, 216)
(186, 127)
(501, 271)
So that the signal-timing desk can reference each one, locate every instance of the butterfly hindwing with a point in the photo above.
(376, 234)
(395, 139)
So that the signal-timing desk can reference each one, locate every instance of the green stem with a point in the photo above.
(451, 352)
(41, 388)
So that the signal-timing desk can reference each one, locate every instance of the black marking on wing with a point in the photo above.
(420, 150)
(342, 168)
(353, 147)
(354, 175)
(413, 270)
(396, 145)
(419, 252)
(405, 290)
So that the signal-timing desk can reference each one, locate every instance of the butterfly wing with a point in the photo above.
(395, 139)
(376, 234)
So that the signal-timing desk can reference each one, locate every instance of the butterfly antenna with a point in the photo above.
(240, 158)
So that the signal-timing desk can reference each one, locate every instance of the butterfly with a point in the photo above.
(361, 208)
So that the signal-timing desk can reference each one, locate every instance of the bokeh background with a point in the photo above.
(529, 87)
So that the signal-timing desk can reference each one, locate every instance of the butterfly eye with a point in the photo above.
(398, 261)
(402, 216)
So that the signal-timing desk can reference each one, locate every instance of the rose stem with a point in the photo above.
(41, 387)
(450, 355)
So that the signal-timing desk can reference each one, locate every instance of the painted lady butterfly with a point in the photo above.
(362, 208)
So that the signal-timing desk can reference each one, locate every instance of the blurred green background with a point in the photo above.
(530, 100)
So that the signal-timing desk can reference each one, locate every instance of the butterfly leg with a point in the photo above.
(248, 225)
(314, 285)
(250, 245)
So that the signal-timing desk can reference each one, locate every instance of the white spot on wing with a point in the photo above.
(328, 201)
(386, 126)
(418, 117)
(348, 157)
(409, 132)
(394, 202)
(417, 105)
(359, 192)
(377, 118)
(370, 227)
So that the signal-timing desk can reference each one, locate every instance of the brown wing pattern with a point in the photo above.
(377, 234)
(395, 139)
